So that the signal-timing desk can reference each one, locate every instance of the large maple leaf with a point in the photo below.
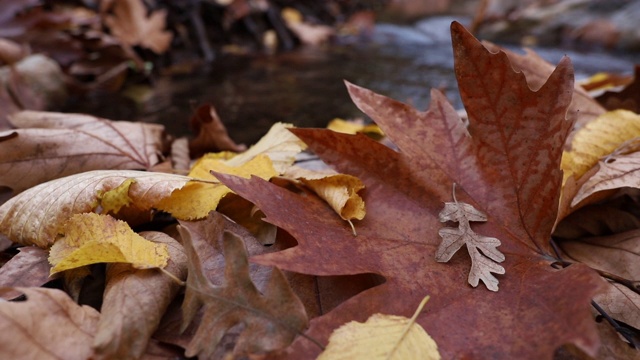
(505, 164)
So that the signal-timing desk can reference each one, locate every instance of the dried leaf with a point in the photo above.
(271, 320)
(621, 303)
(131, 25)
(30, 267)
(48, 146)
(211, 134)
(91, 238)
(599, 138)
(340, 191)
(48, 325)
(35, 216)
(482, 264)
(628, 98)
(279, 144)
(382, 337)
(354, 127)
(196, 199)
(507, 165)
(134, 302)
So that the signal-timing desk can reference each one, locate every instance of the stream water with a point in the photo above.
(305, 87)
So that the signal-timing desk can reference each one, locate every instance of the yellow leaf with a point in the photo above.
(90, 238)
(382, 337)
(196, 199)
(597, 139)
(114, 199)
(340, 191)
(354, 127)
(279, 144)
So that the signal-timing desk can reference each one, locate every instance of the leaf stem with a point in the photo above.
(412, 320)
(620, 329)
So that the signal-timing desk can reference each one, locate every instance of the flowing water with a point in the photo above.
(305, 87)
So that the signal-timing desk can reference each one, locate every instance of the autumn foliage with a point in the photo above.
(263, 257)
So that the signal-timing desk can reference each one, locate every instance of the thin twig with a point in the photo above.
(620, 329)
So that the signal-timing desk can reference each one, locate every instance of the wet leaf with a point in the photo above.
(92, 238)
(48, 146)
(506, 164)
(52, 326)
(135, 301)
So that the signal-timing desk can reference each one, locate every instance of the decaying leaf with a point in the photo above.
(354, 127)
(482, 263)
(196, 199)
(210, 133)
(92, 238)
(52, 326)
(506, 164)
(599, 138)
(340, 191)
(271, 320)
(27, 268)
(382, 337)
(48, 145)
(35, 216)
(621, 303)
(135, 301)
(131, 25)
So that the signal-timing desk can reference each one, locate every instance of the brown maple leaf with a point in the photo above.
(507, 166)
(131, 25)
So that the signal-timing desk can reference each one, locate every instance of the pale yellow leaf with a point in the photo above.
(279, 144)
(340, 191)
(113, 200)
(35, 216)
(92, 238)
(382, 337)
(599, 138)
(197, 199)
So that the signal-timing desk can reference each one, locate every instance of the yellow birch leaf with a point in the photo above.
(91, 238)
(114, 199)
(340, 191)
(599, 138)
(353, 127)
(382, 337)
(196, 199)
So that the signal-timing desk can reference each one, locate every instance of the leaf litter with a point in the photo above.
(505, 162)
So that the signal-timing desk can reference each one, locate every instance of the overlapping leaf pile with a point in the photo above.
(504, 164)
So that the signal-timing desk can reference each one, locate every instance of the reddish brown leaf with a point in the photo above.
(134, 302)
(506, 165)
(211, 135)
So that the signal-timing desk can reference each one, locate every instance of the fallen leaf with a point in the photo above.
(48, 325)
(35, 216)
(506, 164)
(482, 263)
(210, 133)
(628, 98)
(30, 267)
(271, 319)
(131, 25)
(279, 144)
(340, 191)
(621, 303)
(597, 139)
(354, 127)
(48, 146)
(309, 34)
(134, 302)
(382, 337)
(537, 70)
(92, 238)
(196, 199)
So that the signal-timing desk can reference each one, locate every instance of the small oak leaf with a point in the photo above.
(482, 264)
